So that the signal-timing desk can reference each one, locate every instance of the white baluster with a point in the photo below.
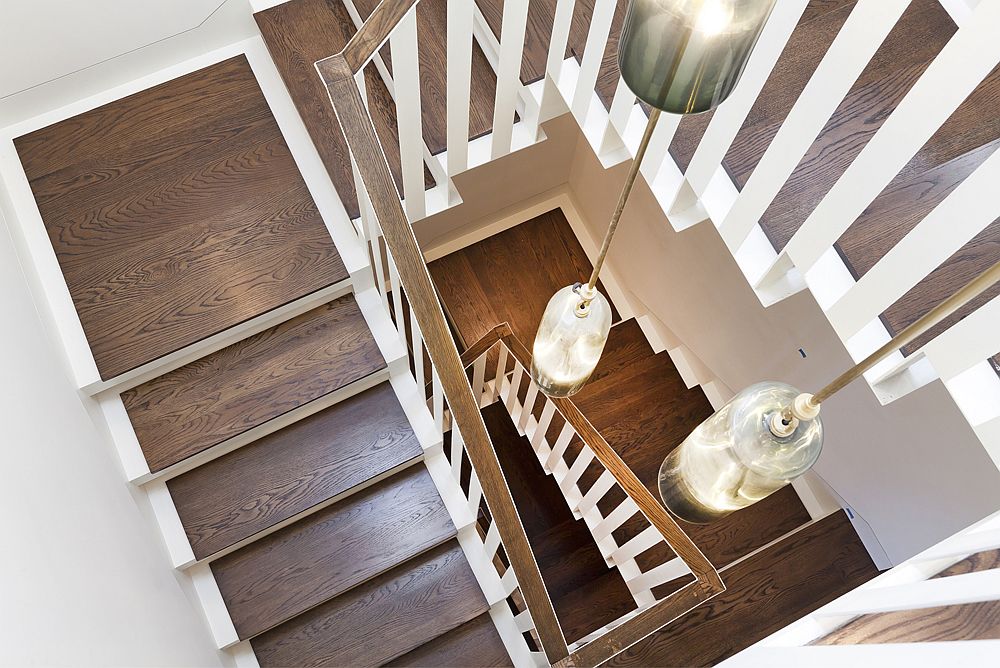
(437, 400)
(671, 570)
(459, 75)
(478, 373)
(561, 23)
(457, 448)
(397, 297)
(418, 351)
(406, 93)
(515, 385)
(538, 436)
(509, 581)
(513, 23)
(475, 493)
(501, 372)
(559, 448)
(523, 621)
(593, 55)
(603, 485)
(637, 545)
(617, 517)
(576, 470)
(529, 404)
(492, 541)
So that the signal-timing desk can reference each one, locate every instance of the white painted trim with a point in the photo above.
(213, 605)
(243, 655)
(171, 528)
(912, 655)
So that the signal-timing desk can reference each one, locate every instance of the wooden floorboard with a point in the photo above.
(510, 277)
(317, 558)
(475, 644)
(250, 382)
(285, 473)
(432, 27)
(949, 623)
(764, 593)
(807, 45)
(297, 34)
(176, 213)
(382, 619)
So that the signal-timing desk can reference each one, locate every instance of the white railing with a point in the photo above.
(925, 582)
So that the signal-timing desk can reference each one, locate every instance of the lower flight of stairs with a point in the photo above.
(327, 539)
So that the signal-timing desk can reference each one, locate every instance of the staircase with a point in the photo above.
(239, 298)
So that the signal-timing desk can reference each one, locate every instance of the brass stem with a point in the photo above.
(973, 289)
(633, 172)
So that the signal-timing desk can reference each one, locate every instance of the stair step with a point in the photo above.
(475, 644)
(296, 468)
(297, 34)
(763, 594)
(176, 213)
(947, 623)
(242, 386)
(432, 27)
(593, 606)
(626, 345)
(323, 555)
(385, 618)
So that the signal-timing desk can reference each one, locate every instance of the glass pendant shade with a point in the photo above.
(734, 458)
(686, 56)
(570, 340)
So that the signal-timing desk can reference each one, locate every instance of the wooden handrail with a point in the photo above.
(338, 77)
(374, 31)
(708, 582)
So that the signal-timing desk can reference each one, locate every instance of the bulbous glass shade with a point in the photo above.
(734, 459)
(686, 56)
(569, 341)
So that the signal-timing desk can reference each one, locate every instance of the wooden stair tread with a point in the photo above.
(323, 555)
(291, 470)
(297, 34)
(510, 276)
(432, 28)
(475, 644)
(948, 623)
(575, 574)
(974, 563)
(232, 390)
(764, 593)
(626, 345)
(913, 42)
(805, 48)
(382, 619)
(151, 202)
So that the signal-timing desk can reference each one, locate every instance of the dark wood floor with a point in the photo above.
(764, 593)
(176, 213)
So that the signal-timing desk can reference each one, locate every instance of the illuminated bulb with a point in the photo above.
(686, 56)
(735, 457)
(570, 340)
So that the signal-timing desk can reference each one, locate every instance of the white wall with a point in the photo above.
(84, 578)
(914, 470)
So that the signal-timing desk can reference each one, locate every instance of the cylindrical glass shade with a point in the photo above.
(686, 56)
(734, 458)
(570, 339)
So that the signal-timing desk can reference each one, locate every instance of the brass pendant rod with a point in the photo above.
(972, 290)
(633, 172)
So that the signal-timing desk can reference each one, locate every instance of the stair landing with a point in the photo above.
(176, 213)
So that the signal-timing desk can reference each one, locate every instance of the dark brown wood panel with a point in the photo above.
(537, 35)
(764, 593)
(307, 563)
(980, 561)
(300, 32)
(918, 36)
(511, 276)
(432, 29)
(805, 48)
(382, 619)
(285, 473)
(950, 623)
(475, 644)
(250, 382)
(176, 213)
(688, 135)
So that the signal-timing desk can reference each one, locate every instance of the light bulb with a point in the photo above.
(570, 340)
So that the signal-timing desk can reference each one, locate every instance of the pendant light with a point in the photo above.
(679, 56)
(770, 433)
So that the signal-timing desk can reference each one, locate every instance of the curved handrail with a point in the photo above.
(337, 73)
(707, 584)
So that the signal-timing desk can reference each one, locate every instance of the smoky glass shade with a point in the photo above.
(569, 341)
(733, 459)
(686, 56)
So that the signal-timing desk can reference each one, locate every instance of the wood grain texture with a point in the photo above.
(432, 29)
(176, 213)
(511, 276)
(426, 308)
(764, 593)
(382, 619)
(323, 555)
(950, 623)
(980, 561)
(918, 36)
(475, 644)
(285, 473)
(806, 46)
(250, 382)
(297, 34)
